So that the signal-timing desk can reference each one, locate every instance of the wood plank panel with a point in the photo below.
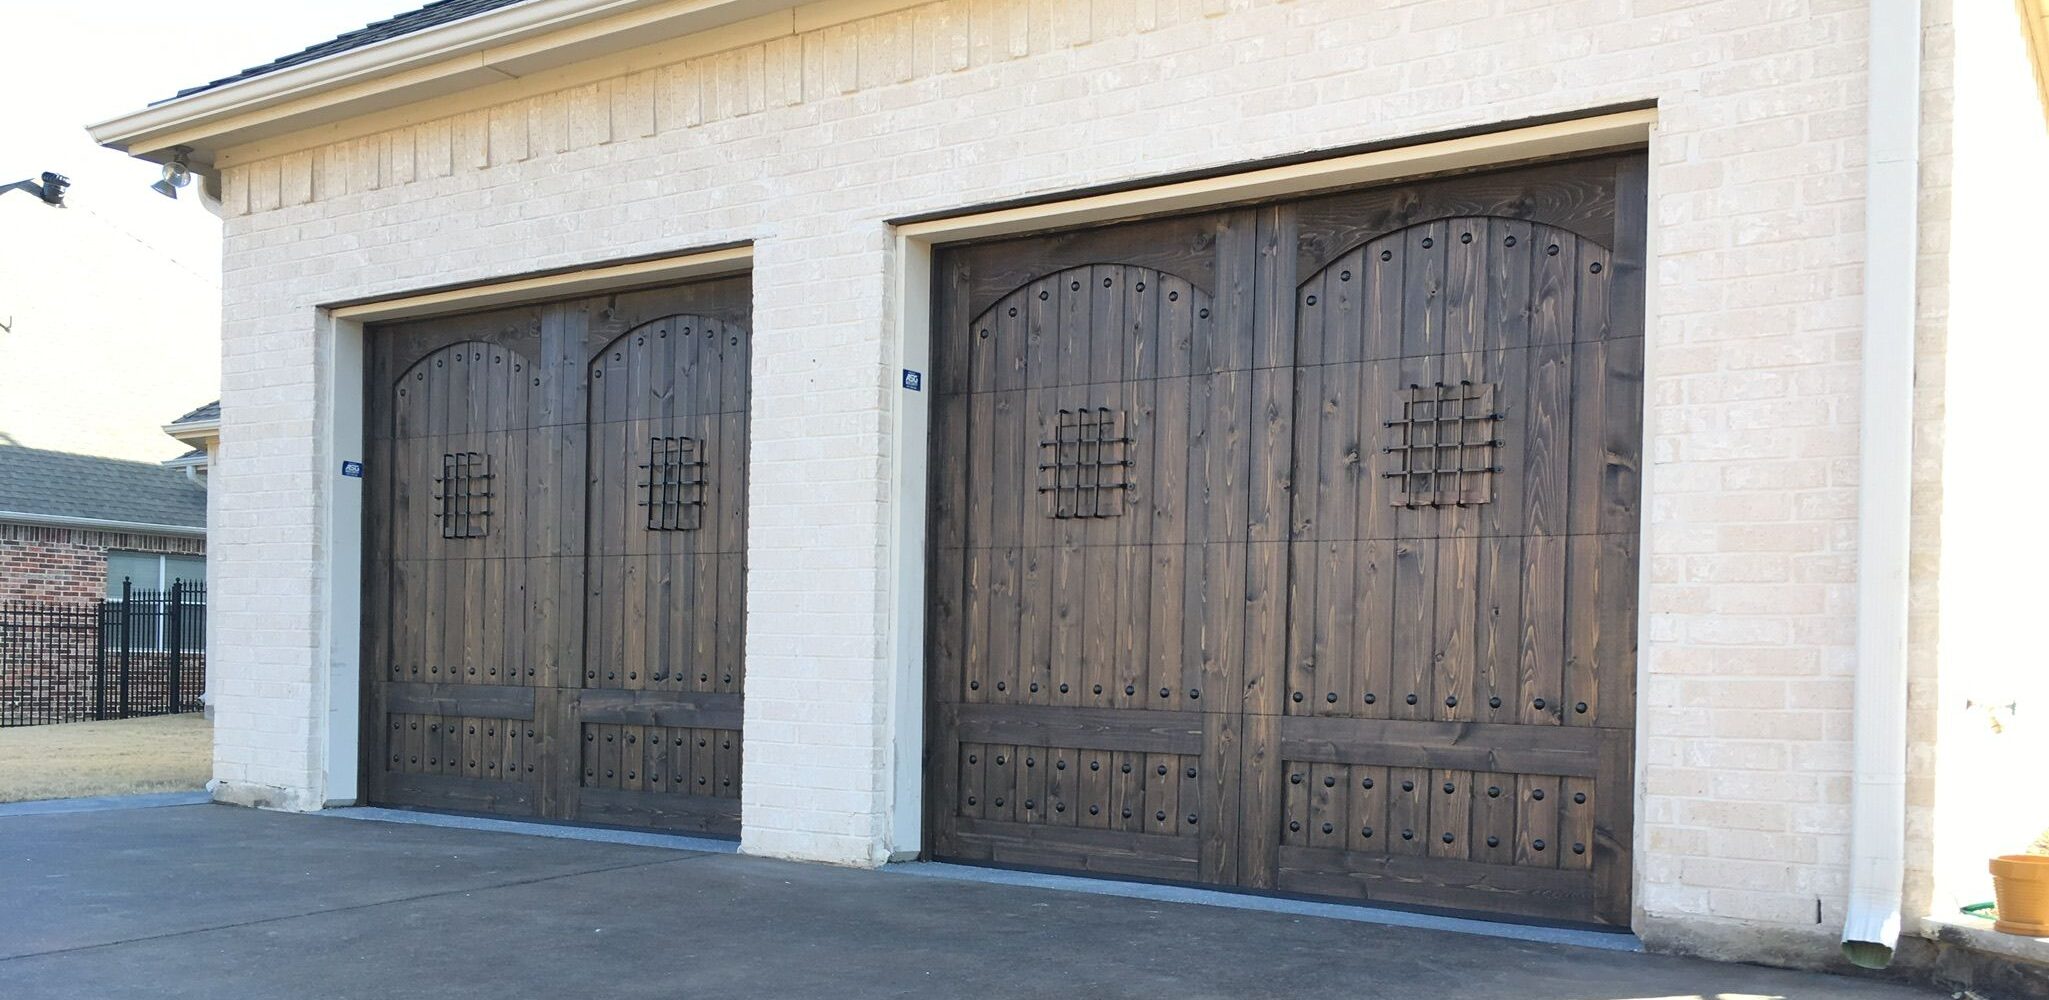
(1087, 851)
(1345, 641)
(1075, 728)
(505, 702)
(1547, 749)
(1438, 882)
(437, 791)
(480, 598)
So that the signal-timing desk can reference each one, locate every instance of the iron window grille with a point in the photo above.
(674, 483)
(1444, 445)
(1085, 464)
(465, 497)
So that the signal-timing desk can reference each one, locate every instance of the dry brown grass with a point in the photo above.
(124, 757)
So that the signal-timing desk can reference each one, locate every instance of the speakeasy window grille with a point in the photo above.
(465, 497)
(1085, 463)
(1444, 445)
(674, 484)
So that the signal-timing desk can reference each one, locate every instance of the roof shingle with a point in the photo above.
(209, 412)
(60, 484)
(439, 12)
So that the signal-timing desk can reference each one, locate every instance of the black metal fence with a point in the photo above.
(144, 654)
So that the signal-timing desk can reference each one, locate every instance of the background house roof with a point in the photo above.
(204, 414)
(60, 484)
(440, 12)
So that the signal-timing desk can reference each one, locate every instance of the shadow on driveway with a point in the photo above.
(212, 901)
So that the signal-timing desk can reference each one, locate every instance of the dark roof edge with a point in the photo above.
(398, 25)
(101, 524)
(208, 413)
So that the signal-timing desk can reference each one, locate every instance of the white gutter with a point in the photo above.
(1878, 805)
(97, 524)
(194, 428)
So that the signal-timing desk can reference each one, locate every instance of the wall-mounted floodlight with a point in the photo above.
(177, 174)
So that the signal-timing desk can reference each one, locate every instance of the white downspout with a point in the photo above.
(1878, 806)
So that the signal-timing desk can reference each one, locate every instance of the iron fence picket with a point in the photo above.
(144, 654)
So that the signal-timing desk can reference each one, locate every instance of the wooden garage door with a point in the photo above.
(555, 558)
(1293, 547)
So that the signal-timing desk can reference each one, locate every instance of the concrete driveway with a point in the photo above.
(212, 901)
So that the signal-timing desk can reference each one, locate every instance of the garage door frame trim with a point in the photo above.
(338, 329)
(915, 243)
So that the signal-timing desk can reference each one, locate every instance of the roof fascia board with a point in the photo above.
(97, 524)
(263, 135)
(194, 428)
(492, 46)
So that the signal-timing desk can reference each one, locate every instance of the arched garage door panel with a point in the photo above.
(1317, 575)
(554, 561)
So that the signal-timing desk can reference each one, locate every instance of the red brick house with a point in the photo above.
(72, 527)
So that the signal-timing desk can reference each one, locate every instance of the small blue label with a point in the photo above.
(914, 381)
(353, 470)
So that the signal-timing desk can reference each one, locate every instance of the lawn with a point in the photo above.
(124, 757)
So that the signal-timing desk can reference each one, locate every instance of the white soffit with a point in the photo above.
(509, 43)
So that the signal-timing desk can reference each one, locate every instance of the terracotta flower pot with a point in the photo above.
(2021, 884)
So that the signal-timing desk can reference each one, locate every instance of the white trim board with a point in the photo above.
(686, 266)
(1561, 138)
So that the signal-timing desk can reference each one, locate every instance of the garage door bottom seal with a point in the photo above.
(1604, 940)
(601, 835)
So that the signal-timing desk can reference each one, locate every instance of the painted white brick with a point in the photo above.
(805, 145)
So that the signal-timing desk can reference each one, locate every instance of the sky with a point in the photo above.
(68, 63)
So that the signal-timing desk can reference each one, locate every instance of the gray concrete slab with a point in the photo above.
(212, 901)
(89, 878)
(104, 803)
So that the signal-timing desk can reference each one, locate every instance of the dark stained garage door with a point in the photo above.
(1294, 547)
(555, 557)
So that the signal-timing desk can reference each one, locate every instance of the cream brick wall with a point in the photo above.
(804, 144)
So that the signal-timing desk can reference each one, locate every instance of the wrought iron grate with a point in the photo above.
(674, 483)
(465, 497)
(1085, 463)
(1444, 445)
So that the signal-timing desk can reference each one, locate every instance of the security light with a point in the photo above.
(177, 174)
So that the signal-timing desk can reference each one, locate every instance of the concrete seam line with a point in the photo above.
(1185, 895)
(103, 803)
(522, 828)
(351, 908)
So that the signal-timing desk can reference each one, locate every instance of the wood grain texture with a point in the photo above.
(1372, 587)
(565, 640)
(1087, 599)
